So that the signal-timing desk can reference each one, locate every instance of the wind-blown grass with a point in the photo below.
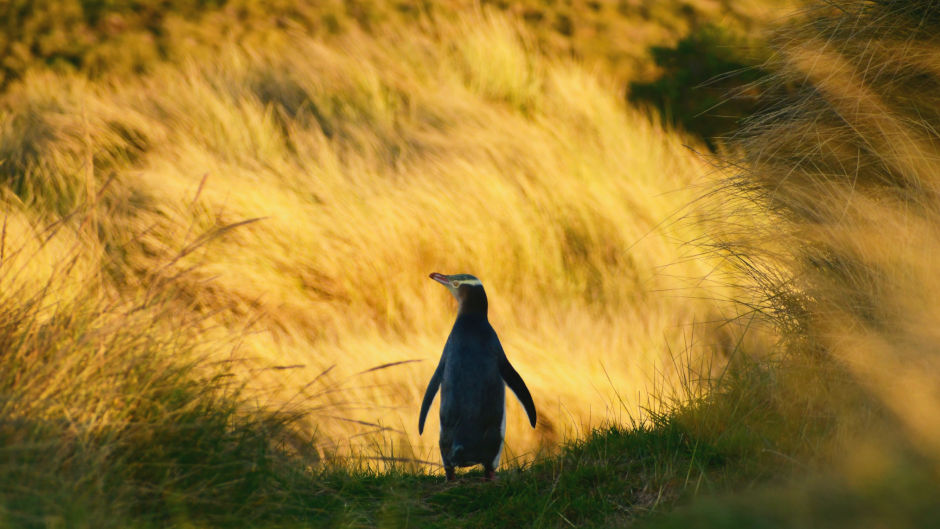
(118, 408)
(833, 217)
(847, 170)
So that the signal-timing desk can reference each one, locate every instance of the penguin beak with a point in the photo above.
(445, 280)
(440, 278)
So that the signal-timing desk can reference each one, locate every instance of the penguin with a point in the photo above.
(472, 374)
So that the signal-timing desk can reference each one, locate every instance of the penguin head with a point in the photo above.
(467, 289)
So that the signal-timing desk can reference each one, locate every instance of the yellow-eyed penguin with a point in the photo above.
(472, 374)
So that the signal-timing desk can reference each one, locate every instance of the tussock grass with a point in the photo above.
(839, 195)
(116, 408)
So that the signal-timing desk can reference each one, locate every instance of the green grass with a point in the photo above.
(614, 476)
(188, 458)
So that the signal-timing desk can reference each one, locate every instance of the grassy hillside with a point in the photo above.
(365, 164)
(667, 50)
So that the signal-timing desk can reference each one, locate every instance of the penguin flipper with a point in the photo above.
(429, 395)
(515, 383)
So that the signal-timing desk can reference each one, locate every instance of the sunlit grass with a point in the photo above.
(117, 406)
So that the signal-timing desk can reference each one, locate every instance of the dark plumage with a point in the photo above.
(472, 375)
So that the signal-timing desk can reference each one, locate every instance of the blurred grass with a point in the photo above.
(833, 215)
(845, 169)
(130, 37)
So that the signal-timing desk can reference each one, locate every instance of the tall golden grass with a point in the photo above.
(846, 171)
(370, 162)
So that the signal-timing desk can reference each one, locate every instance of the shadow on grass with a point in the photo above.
(710, 82)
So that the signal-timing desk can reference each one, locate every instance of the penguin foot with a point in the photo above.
(449, 471)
